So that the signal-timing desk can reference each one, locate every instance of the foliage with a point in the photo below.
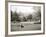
(15, 17)
(29, 17)
(24, 19)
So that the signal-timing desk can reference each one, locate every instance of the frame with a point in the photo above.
(30, 18)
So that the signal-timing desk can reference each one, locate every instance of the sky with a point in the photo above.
(23, 9)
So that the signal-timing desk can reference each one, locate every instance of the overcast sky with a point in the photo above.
(22, 9)
(26, 10)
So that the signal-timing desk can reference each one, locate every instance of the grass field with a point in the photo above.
(27, 27)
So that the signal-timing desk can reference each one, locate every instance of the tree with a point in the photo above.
(39, 15)
(24, 19)
(11, 16)
(29, 17)
(15, 16)
(38, 12)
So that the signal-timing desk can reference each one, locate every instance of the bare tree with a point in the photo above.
(38, 12)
